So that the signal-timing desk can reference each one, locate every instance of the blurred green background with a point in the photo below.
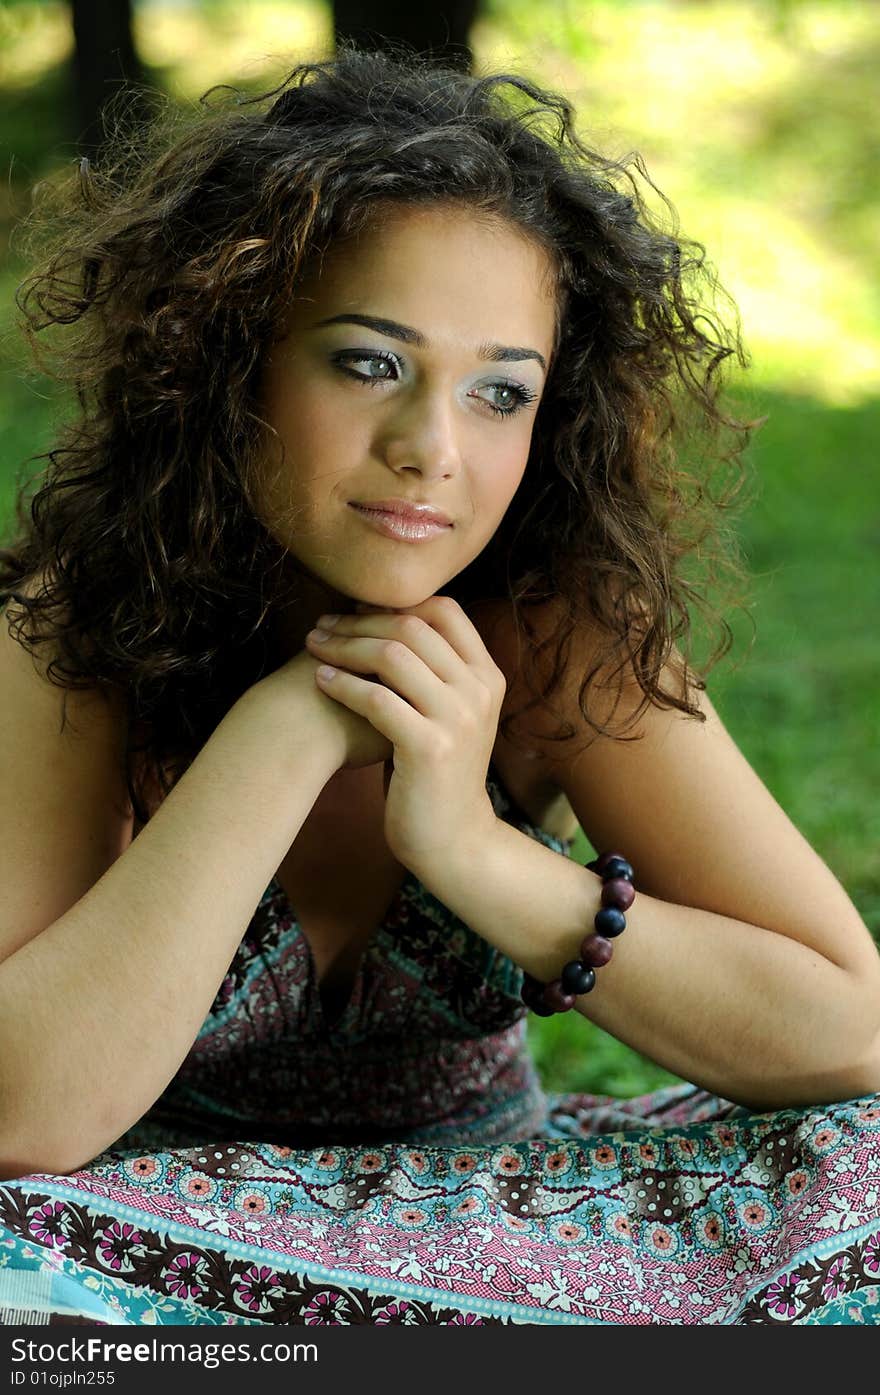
(758, 120)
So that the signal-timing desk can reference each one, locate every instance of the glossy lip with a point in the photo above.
(407, 509)
(404, 527)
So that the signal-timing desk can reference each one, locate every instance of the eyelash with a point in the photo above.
(522, 394)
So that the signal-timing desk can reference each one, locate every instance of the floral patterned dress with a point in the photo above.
(402, 1164)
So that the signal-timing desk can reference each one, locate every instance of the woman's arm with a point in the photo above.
(744, 966)
(749, 1013)
(98, 1010)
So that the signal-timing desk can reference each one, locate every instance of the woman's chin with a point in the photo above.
(391, 600)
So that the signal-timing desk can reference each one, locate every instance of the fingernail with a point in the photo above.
(327, 621)
(318, 635)
(325, 671)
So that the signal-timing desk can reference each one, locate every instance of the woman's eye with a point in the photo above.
(508, 397)
(369, 368)
(381, 366)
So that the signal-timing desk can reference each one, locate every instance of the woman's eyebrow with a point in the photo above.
(497, 353)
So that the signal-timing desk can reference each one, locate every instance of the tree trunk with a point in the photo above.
(105, 59)
(439, 31)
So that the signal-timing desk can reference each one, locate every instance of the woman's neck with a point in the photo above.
(303, 601)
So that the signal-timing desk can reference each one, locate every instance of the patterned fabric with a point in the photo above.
(401, 1164)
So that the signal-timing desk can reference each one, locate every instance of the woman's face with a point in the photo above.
(411, 371)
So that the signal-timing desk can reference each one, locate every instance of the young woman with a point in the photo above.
(359, 580)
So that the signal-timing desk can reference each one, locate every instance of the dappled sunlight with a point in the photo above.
(194, 45)
(248, 43)
(33, 40)
(806, 316)
(751, 118)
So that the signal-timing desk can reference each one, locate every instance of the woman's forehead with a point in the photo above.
(440, 264)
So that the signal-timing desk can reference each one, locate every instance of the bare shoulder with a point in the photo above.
(64, 817)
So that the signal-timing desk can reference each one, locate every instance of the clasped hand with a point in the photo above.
(438, 702)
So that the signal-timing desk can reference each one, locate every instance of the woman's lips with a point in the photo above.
(404, 527)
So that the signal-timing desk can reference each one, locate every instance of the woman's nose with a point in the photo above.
(422, 436)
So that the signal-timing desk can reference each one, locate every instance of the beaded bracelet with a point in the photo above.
(578, 977)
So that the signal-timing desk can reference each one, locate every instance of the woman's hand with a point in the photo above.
(438, 703)
(354, 742)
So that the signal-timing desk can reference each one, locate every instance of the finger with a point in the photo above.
(477, 674)
(443, 615)
(386, 711)
(412, 630)
(446, 616)
(392, 661)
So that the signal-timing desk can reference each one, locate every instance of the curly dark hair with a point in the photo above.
(141, 560)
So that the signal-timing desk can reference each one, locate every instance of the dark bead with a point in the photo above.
(616, 867)
(603, 860)
(531, 990)
(577, 978)
(619, 893)
(610, 922)
(540, 1010)
(556, 998)
(596, 951)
